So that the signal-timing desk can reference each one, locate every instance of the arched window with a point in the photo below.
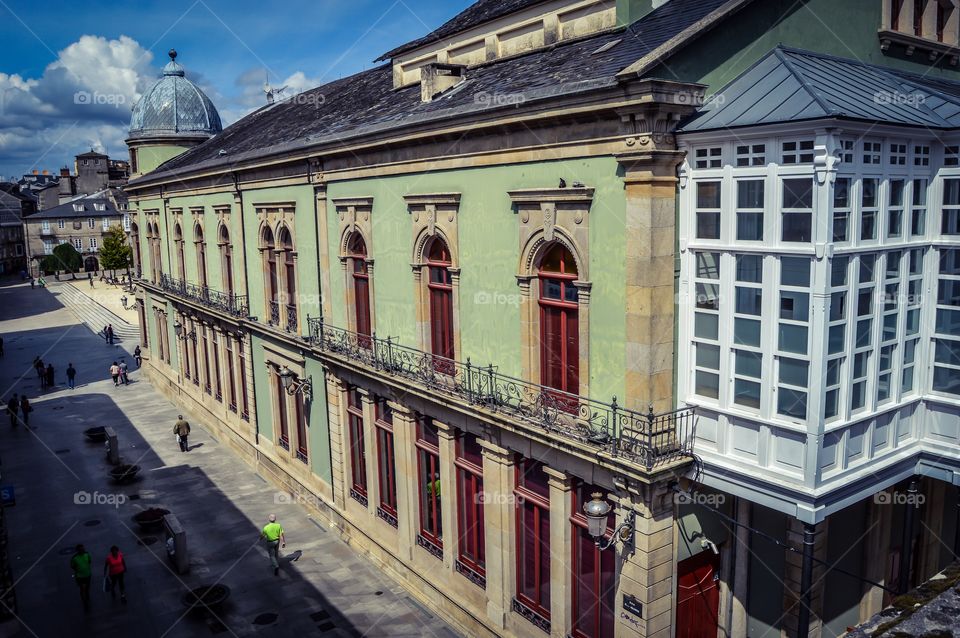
(269, 248)
(226, 261)
(289, 279)
(559, 321)
(440, 287)
(201, 257)
(181, 262)
(155, 257)
(357, 251)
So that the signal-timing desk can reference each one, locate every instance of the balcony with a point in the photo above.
(235, 305)
(653, 441)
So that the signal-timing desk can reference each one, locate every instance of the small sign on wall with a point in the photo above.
(632, 605)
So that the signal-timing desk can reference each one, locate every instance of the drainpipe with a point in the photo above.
(906, 557)
(806, 579)
(251, 396)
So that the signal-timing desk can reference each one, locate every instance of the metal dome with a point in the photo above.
(174, 106)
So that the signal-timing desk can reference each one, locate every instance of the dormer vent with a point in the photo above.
(436, 77)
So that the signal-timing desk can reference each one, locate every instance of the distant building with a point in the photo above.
(14, 206)
(81, 222)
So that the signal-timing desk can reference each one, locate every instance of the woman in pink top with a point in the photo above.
(113, 570)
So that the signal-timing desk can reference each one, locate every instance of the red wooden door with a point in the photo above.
(698, 596)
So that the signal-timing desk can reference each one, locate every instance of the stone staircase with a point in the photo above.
(95, 315)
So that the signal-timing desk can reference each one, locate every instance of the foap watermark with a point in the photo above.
(699, 498)
(96, 98)
(485, 298)
(286, 498)
(98, 498)
(497, 498)
(308, 98)
(897, 97)
(898, 498)
(485, 98)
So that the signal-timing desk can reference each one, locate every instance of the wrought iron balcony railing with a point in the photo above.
(649, 439)
(235, 305)
(274, 314)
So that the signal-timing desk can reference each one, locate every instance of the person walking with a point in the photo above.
(137, 356)
(1, 346)
(90, 278)
(113, 570)
(110, 333)
(273, 534)
(13, 406)
(182, 429)
(71, 376)
(33, 283)
(41, 372)
(50, 375)
(80, 563)
(115, 374)
(25, 410)
(123, 372)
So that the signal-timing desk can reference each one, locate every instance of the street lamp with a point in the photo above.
(596, 511)
(294, 385)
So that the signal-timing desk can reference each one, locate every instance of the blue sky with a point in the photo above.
(50, 51)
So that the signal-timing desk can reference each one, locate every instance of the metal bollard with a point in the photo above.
(113, 449)
(176, 543)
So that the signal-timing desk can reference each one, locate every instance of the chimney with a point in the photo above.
(46, 172)
(437, 77)
(64, 172)
(36, 172)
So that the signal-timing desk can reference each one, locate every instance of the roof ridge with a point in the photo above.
(780, 52)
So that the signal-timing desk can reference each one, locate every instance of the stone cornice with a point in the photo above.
(438, 199)
(552, 195)
(356, 202)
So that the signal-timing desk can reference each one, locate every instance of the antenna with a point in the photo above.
(271, 92)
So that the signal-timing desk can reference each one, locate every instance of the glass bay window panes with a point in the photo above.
(797, 215)
(750, 210)
(708, 210)
(841, 209)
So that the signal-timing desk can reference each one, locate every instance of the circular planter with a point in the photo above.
(96, 435)
(125, 473)
(208, 597)
(150, 520)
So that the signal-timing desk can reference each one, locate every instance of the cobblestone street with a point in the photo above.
(64, 497)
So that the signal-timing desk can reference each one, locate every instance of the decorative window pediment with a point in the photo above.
(434, 214)
(355, 215)
(546, 212)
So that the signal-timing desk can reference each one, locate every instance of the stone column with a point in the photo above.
(650, 188)
(876, 556)
(408, 484)
(323, 232)
(561, 556)
(499, 530)
(738, 612)
(241, 267)
(370, 449)
(792, 594)
(647, 574)
(339, 441)
(448, 494)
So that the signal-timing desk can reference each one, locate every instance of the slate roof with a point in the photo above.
(66, 210)
(476, 14)
(367, 102)
(789, 85)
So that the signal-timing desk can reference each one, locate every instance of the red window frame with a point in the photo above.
(216, 367)
(358, 450)
(559, 324)
(196, 359)
(429, 486)
(181, 259)
(386, 458)
(227, 261)
(289, 271)
(471, 550)
(206, 360)
(440, 291)
(186, 362)
(270, 248)
(231, 371)
(918, 7)
(533, 540)
(281, 394)
(361, 289)
(896, 5)
(201, 258)
(245, 407)
(594, 587)
(302, 447)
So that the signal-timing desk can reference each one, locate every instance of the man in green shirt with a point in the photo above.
(80, 564)
(273, 534)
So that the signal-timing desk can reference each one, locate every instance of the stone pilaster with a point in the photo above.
(320, 203)
(647, 574)
(791, 581)
(500, 530)
(650, 187)
(561, 532)
(405, 451)
(339, 440)
(370, 449)
(448, 485)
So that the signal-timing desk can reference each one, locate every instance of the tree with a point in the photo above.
(115, 251)
(64, 257)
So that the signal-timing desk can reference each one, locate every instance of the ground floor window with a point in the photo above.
(216, 367)
(470, 552)
(386, 463)
(282, 422)
(300, 415)
(428, 468)
(533, 540)
(231, 371)
(594, 574)
(358, 453)
(245, 409)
